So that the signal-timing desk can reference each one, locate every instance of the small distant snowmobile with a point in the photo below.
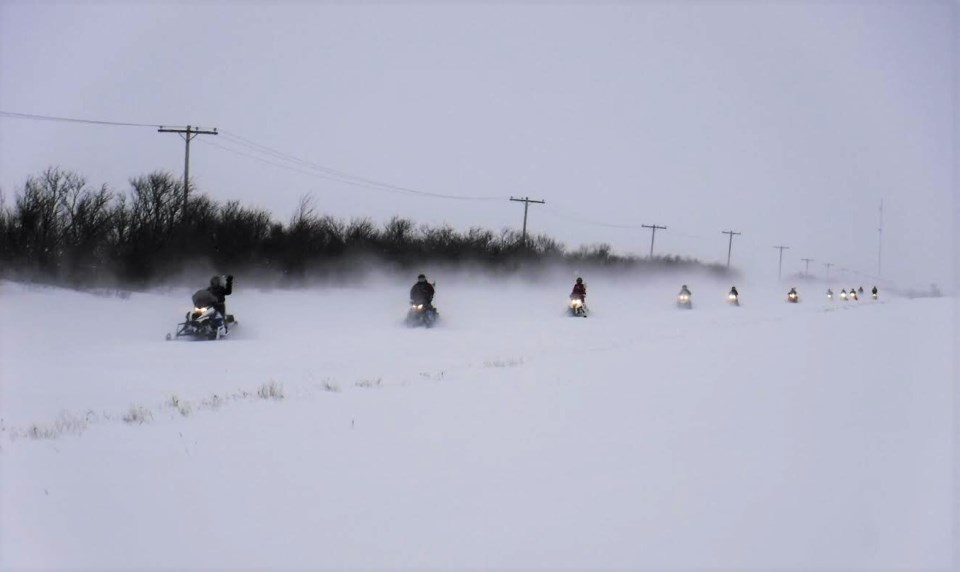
(422, 315)
(733, 299)
(204, 324)
(578, 308)
(853, 295)
(684, 301)
(793, 297)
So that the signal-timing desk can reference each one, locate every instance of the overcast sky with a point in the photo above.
(785, 121)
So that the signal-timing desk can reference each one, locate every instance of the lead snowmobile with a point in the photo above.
(577, 307)
(204, 323)
(422, 315)
(684, 298)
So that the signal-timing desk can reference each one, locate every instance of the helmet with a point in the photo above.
(216, 281)
(684, 287)
(579, 280)
(421, 278)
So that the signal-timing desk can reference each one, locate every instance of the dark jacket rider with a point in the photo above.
(422, 292)
(579, 290)
(221, 291)
(215, 295)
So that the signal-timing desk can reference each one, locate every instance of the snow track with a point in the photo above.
(808, 436)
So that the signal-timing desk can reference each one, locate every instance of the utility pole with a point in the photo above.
(880, 243)
(828, 265)
(187, 134)
(653, 235)
(780, 268)
(526, 206)
(806, 270)
(730, 244)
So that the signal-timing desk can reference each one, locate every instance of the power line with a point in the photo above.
(16, 115)
(332, 174)
(337, 175)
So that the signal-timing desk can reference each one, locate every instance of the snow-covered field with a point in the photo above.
(324, 434)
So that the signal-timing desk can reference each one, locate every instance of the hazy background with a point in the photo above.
(787, 121)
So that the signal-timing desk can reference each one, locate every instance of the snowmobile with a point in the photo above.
(422, 315)
(829, 294)
(853, 295)
(578, 308)
(204, 324)
(793, 297)
(684, 301)
(733, 299)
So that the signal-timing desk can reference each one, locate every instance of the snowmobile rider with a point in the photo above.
(221, 290)
(422, 292)
(685, 290)
(733, 291)
(579, 291)
(215, 295)
(874, 291)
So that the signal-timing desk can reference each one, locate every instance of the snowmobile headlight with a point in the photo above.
(732, 297)
(683, 297)
(576, 303)
(416, 307)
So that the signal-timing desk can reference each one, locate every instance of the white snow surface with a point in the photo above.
(325, 434)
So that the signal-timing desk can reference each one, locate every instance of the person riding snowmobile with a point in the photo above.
(579, 291)
(733, 296)
(685, 291)
(422, 292)
(792, 295)
(873, 292)
(215, 296)
(221, 288)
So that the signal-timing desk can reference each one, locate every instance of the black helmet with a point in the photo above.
(216, 281)
(579, 280)
(421, 278)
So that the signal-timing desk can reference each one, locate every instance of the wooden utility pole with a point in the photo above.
(526, 206)
(880, 244)
(653, 235)
(828, 265)
(730, 245)
(187, 133)
(806, 269)
(780, 268)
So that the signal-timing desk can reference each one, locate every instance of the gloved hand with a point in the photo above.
(229, 278)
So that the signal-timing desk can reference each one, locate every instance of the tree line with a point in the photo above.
(59, 229)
